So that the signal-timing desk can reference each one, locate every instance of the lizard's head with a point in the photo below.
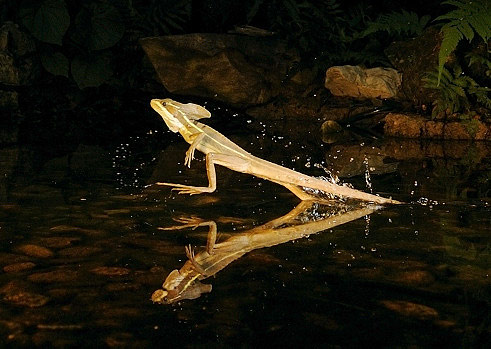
(176, 114)
(169, 111)
(179, 286)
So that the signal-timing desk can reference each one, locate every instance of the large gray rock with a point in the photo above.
(237, 69)
(354, 81)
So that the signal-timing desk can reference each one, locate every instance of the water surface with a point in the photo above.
(81, 251)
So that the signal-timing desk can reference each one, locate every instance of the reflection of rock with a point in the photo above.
(404, 149)
(414, 126)
(354, 81)
(414, 59)
(352, 160)
(236, 69)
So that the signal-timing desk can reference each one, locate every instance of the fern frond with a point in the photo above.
(468, 18)
(406, 23)
(454, 90)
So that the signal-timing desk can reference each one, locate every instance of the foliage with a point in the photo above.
(469, 18)
(47, 21)
(398, 23)
(303, 22)
(326, 33)
(455, 90)
(159, 16)
(67, 41)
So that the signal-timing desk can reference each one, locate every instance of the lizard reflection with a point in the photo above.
(305, 219)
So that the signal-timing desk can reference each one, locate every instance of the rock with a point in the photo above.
(17, 293)
(111, 271)
(411, 309)
(79, 251)
(10, 258)
(18, 267)
(58, 241)
(332, 132)
(236, 69)
(414, 59)
(415, 278)
(26, 299)
(35, 251)
(331, 126)
(415, 126)
(55, 276)
(354, 81)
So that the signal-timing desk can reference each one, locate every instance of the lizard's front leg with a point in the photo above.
(190, 152)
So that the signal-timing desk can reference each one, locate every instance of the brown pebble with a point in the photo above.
(416, 310)
(120, 287)
(111, 271)
(35, 251)
(17, 267)
(58, 241)
(416, 277)
(79, 251)
(54, 276)
(10, 258)
(26, 299)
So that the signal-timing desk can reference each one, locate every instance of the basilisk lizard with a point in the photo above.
(219, 150)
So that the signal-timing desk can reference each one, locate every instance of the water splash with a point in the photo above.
(427, 202)
(368, 179)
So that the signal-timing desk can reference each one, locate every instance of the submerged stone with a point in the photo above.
(35, 251)
(26, 299)
(411, 309)
(111, 271)
(18, 267)
(55, 276)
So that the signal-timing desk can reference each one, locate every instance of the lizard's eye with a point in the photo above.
(164, 104)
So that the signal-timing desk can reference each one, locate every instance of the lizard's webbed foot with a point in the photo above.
(187, 189)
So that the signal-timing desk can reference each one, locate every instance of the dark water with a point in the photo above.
(81, 252)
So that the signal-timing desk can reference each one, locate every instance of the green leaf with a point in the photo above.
(98, 27)
(47, 21)
(91, 71)
(451, 37)
(55, 63)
